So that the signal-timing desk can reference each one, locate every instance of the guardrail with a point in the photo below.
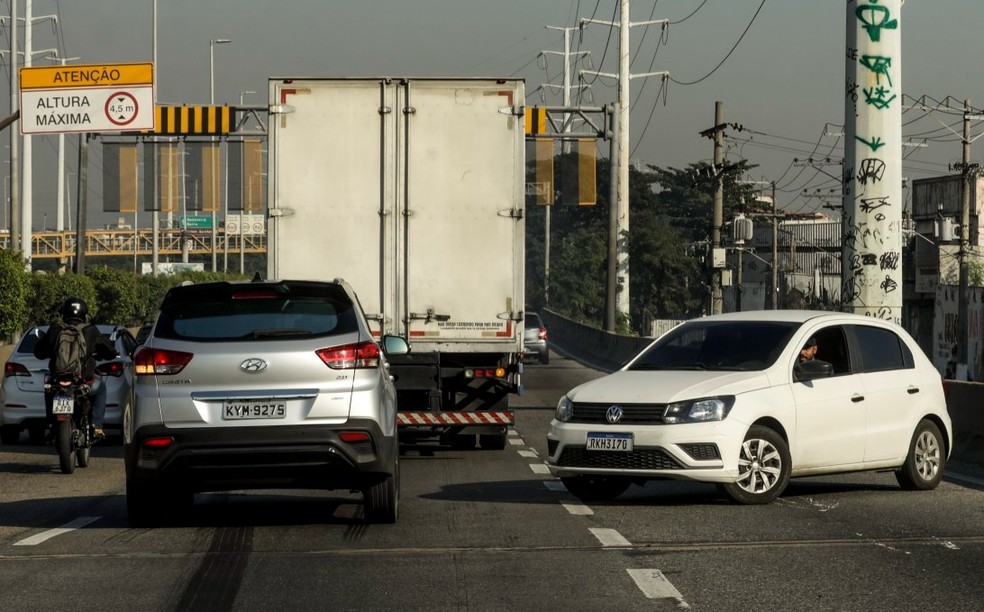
(61, 245)
(607, 352)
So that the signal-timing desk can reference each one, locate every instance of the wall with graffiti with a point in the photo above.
(945, 333)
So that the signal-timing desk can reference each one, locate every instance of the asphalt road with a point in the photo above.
(490, 530)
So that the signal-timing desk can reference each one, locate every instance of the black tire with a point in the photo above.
(153, 504)
(544, 357)
(924, 463)
(37, 434)
(381, 501)
(462, 441)
(764, 467)
(63, 443)
(10, 434)
(595, 488)
(492, 441)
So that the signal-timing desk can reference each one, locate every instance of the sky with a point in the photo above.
(777, 66)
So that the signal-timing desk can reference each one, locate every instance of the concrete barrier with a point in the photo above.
(608, 352)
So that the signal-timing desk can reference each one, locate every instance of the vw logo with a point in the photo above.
(253, 365)
(613, 414)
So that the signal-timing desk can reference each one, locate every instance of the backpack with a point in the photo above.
(70, 352)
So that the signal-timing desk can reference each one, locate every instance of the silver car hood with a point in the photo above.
(664, 386)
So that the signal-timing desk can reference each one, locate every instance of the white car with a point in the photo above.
(22, 394)
(726, 399)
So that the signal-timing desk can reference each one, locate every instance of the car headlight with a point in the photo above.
(565, 409)
(698, 411)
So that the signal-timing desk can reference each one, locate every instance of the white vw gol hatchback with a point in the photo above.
(732, 399)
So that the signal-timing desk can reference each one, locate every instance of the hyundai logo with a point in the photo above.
(253, 365)
(613, 414)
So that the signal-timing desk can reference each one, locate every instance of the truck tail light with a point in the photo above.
(485, 372)
(359, 356)
(149, 361)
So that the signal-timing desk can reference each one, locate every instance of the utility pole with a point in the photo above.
(717, 302)
(566, 91)
(624, 104)
(15, 203)
(969, 172)
(775, 252)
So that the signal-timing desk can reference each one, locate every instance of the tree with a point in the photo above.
(116, 293)
(15, 289)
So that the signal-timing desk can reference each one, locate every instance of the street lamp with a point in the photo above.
(211, 65)
(213, 149)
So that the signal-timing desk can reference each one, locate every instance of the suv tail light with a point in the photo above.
(542, 335)
(149, 361)
(15, 369)
(363, 355)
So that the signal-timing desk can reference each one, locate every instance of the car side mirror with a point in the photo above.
(812, 370)
(395, 345)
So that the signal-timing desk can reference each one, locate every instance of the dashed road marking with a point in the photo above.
(654, 585)
(539, 468)
(575, 508)
(528, 454)
(609, 537)
(516, 441)
(36, 539)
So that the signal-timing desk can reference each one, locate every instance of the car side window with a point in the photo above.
(832, 347)
(881, 349)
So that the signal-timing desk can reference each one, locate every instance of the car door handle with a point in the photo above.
(857, 398)
(912, 390)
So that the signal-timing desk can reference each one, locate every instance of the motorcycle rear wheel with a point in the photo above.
(63, 442)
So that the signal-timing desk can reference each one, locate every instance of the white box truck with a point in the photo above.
(412, 190)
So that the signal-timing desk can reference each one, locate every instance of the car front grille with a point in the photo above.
(632, 414)
(638, 459)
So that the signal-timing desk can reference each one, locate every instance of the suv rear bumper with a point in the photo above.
(308, 456)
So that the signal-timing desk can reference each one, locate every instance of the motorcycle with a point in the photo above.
(71, 417)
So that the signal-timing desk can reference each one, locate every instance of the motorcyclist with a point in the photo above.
(75, 312)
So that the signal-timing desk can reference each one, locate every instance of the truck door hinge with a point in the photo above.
(281, 109)
(511, 213)
(280, 212)
(385, 110)
(429, 316)
(513, 111)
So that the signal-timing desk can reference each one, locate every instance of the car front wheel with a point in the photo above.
(763, 467)
(923, 467)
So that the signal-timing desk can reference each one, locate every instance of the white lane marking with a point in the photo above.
(516, 441)
(609, 537)
(539, 468)
(512, 432)
(579, 509)
(654, 585)
(529, 454)
(36, 539)
(555, 485)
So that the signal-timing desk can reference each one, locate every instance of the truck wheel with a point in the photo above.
(9, 434)
(492, 441)
(381, 501)
(460, 441)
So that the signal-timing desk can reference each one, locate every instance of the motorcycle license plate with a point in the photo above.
(62, 404)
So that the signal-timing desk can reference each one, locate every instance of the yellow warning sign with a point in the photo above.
(88, 76)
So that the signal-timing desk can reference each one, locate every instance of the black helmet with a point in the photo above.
(74, 309)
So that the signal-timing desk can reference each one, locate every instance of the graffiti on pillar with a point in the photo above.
(872, 171)
(875, 19)
(880, 65)
(874, 144)
(889, 261)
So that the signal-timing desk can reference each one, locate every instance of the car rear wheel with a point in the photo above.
(381, 501)
(544, 357)
(9, 434)
(595, 488)
(36, 434)
(151, 504)
(763, 468)
(923, 467)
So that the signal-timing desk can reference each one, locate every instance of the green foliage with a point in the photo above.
(117, 296)
(51, 290)
(15, 289)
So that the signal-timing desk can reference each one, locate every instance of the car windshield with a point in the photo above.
(723, 345)
(227, 313)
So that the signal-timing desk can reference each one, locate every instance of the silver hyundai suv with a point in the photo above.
(263, 384)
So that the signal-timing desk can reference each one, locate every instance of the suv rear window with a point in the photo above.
(223, 312)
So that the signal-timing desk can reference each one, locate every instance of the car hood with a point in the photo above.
(665, 386)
